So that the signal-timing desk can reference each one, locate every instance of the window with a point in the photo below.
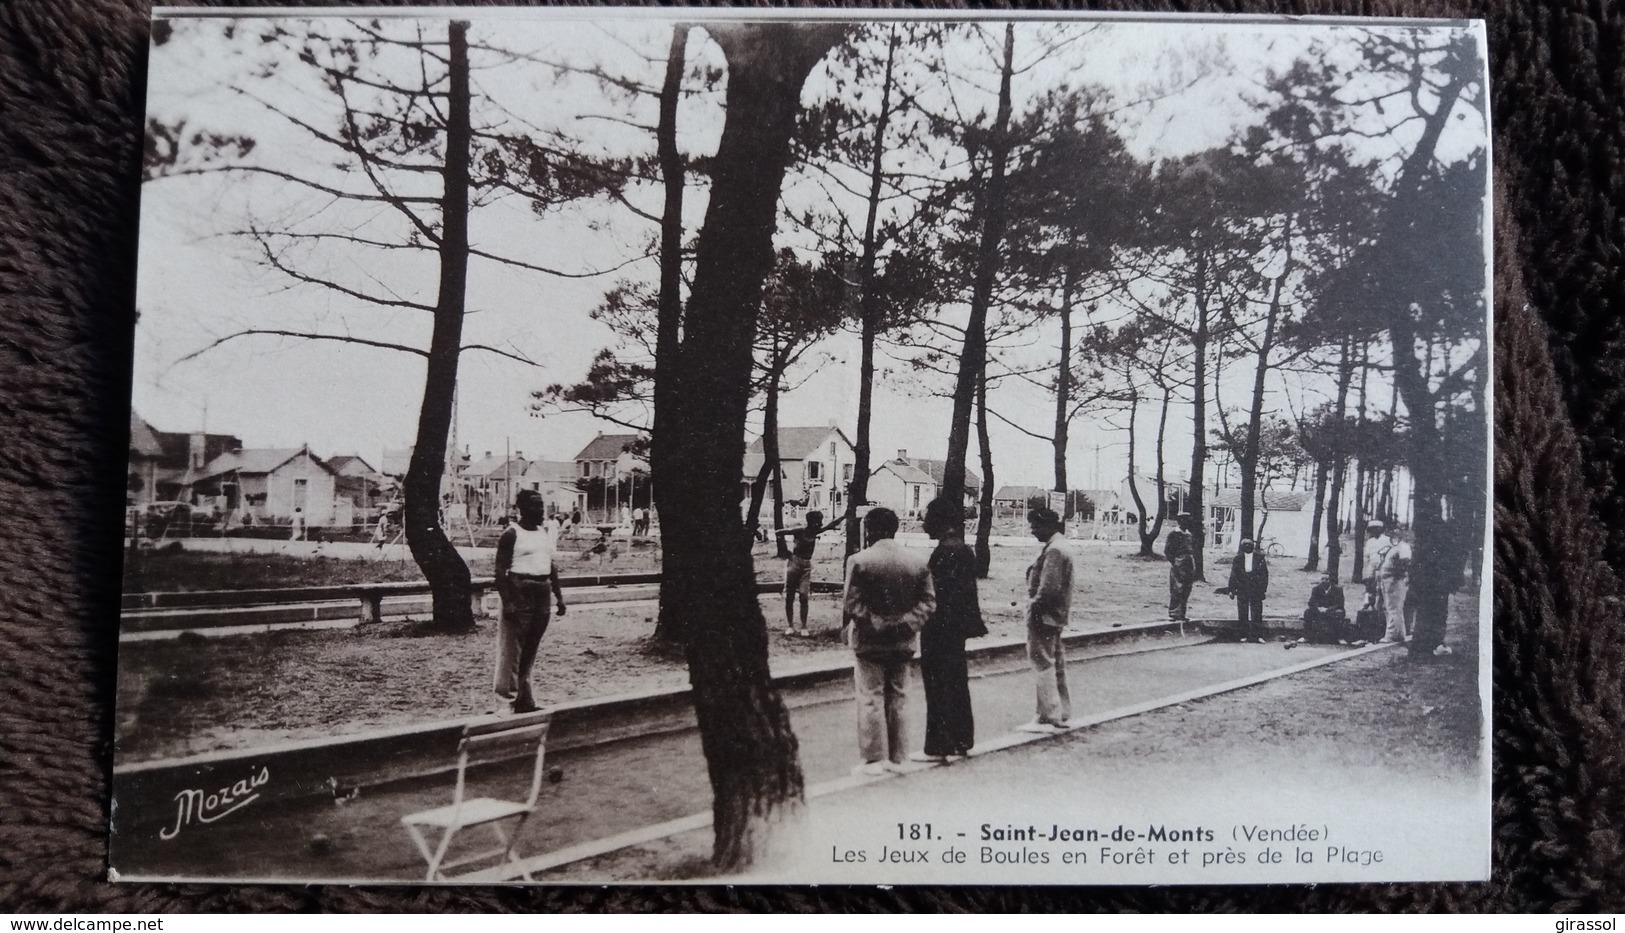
(846, 473)
(832, 450)
(815, 470)
(916, 497)
(586, 468)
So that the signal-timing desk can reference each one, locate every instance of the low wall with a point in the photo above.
(146, 794)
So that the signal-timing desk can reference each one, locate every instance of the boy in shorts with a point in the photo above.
(798, 567)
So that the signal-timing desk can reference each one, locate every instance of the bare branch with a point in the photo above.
(275, 261)
(314, 186)
(266, 332)
(560, 273)
(509, 354)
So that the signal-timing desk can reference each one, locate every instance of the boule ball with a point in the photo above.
(555, 774)
(321, 844)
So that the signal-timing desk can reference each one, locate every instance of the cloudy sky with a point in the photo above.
(200, 281)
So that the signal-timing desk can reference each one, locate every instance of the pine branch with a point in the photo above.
(338, 338)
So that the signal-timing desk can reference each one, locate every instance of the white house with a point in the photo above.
(270, 484)
(556, 481)
(902, 487)
(934, 470)
(1282, 516)
(815, 466)
(1017, 497)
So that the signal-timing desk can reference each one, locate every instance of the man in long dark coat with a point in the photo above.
(1181, 553)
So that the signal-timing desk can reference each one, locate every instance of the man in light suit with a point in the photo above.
(1049, 607)
(889, 596)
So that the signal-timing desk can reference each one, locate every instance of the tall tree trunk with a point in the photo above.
(868, 316)
(1385, 493)
(771, 454)
(984, 515)
(1162, 464)
(1322, 475)
(1340, 462)
(991, 213)
(1360, 469)
(1142, 525)
(1199, 342)
(671, 627)
(1255, 413)
(1433, 543)
(758, 492)
(442, 566)
(1063, 386)
(750, 751)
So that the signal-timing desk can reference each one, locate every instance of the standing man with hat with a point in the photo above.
(1389, 571)
(1181, 553)
(1049, 607)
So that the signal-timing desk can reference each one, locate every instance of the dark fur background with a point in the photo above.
(71, 93)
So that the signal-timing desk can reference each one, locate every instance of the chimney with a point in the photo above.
(832, 422)
(488, 453)
(902, 454)
(519, 455)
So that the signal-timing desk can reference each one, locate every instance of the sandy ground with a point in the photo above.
(197, 694)
(1381, 757)
(1377, 755)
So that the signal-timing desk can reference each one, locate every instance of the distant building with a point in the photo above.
(556, 481)
(902, 487)
(269, 484)
(1282, 516)
(1017, 497)
(815, 466)
(610, 457)
(146, 458)
(163, 464)
(356, 482)
(491, 482)
(934, 469)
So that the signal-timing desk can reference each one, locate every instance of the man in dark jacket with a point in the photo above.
(1326, 620)
(1249, 581)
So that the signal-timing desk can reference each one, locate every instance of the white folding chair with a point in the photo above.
(483, 743)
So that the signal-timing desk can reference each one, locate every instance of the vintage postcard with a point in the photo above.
(596, 446)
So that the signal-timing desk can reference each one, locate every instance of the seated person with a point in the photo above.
(1325, 620)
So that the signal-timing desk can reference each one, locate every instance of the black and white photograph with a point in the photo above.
(595, 446)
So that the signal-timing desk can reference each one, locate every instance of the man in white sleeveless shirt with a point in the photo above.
(526, 574)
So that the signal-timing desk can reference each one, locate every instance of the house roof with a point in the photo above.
(1022, 493)
(343, 462)
(553, 471)
(935, 468)
(907, 472)
(607, 447)
(497, 467)
(256, 461)
(797, 443)
(143, 440)
(1283, 500)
